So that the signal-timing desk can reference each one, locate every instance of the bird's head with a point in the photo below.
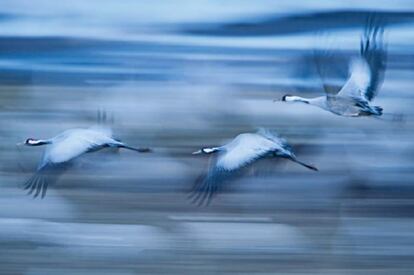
(33, 142)
(287, 98)
(205, 151)
(284, 98)
(292, 98)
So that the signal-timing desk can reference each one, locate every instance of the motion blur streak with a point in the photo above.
(175, 76)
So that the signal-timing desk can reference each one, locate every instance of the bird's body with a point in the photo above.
(365, 75)
(238, 153)
(67, 146)
(75, 142)
(246, 148)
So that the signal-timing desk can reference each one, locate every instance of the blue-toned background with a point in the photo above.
(180, 75)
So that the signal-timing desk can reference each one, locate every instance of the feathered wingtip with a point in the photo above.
(102, 117)
(373, 51)
(272, 135)
(207, 186)
(202, 191)
(36, 185)
(263, 131)
(267, 133)
(372, 41)
(103, 122)
(45, 175)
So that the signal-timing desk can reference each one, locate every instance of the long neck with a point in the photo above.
(319, 101)
(298, 99)
(41, 142)
(211, 150)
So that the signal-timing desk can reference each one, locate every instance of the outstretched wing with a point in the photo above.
(276, 138)
(66, 147)
(75, 142)
(367, 71)
(36, 182)
(45, 175)
(243, 150)
(358, 81)
(54, 161)
(374, 52)
(207, 185)
(328, 66)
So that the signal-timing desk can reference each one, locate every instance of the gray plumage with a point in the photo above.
(243, 150)
(65, 147)
(365, 76)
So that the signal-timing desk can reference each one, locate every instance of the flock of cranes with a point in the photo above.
(352, 100)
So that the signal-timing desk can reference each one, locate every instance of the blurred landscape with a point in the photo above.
(177, 76)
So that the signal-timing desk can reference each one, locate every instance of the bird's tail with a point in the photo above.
(377, 110)
(294, 159)
(370, 110)
(140, 150)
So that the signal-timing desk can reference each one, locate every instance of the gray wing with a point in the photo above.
(36, 182)
(243, 150)
(208, 185)
(367, 71)
(328, 66)
(275, 137)
(211, 182)
(73, 144)
(46, 174)
(374, 53)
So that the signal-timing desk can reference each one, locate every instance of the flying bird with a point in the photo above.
(67, 146)
(243, 150)
(365, 76)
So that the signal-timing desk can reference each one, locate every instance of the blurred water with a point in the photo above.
(180, 75)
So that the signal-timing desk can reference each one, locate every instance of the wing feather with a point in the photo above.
(358, 81)
(72, 144)
(240, 152)
(207, 185)
(367, 72)
(65, 147)
(243, 150)
(45, 175)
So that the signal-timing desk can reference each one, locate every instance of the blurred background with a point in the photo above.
(180, 75)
